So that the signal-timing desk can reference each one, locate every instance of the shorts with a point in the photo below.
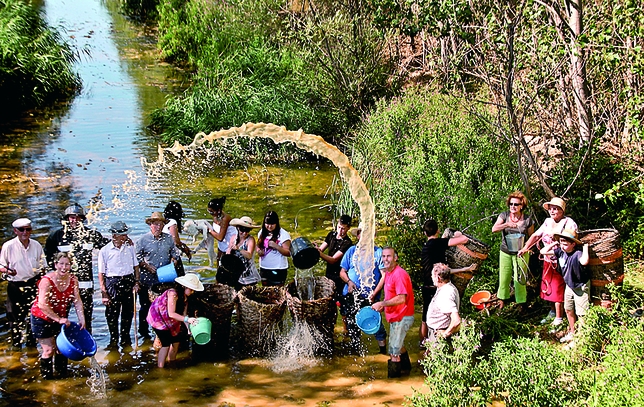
(273, 276)
(166, 337)
(43, 329)
(577, 299)
(397, 333)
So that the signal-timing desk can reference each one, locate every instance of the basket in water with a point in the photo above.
(606, 264)
(259, 312)
(320, 311)
(215, 302)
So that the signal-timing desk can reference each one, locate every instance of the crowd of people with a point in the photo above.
(128, 269)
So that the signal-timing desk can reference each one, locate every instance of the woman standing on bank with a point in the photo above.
(552, 283)
(56, 292)
(513, 267)
(274, 248)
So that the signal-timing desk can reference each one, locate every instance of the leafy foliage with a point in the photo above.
(35, 63)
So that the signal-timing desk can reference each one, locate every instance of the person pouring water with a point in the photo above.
(515, 227)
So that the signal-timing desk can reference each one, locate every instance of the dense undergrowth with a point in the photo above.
(35, 63)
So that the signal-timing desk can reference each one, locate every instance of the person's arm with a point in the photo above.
(392, 302)
(223, 227)
(251, 248)
(172, 309)
(78, 305)
(471, 267)
(376, 290)
(534, 238)
(345, 277)
(337, 256)
(499, 225)
(454, 325)
(284, 248)
(584, 258)
(174, 232)
(548, 249)
(458, 238)
(102, 268)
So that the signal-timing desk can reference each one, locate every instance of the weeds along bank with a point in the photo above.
(36, 64)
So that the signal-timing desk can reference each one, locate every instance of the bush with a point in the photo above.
(35, 63)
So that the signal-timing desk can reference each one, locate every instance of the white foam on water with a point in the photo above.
(96, 380)
(296, 350)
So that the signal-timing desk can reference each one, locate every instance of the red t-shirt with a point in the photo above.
(398, 282)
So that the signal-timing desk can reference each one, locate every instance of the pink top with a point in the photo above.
(158, 316)
(59, 301)
(550, 227)
(398, 282)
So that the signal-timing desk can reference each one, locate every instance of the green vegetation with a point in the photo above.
(35, 63)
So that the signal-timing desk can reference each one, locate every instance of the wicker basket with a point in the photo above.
(461, 280)
(465, 255)
(320, 312)
(215, 302)
(606, 264)
(260, 311)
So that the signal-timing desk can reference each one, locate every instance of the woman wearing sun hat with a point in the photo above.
(552, 283)
(168, 311)
(244, 248)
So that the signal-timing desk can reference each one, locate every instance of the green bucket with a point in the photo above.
(201, 331)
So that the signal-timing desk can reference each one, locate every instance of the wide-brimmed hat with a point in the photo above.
(244, 221)
(119, 228)
(191, 281)
(155, 217)
(356, 231)
(21, 223)
(556, 202)
(568, 234)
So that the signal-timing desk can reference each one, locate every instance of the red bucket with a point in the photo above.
(480, 298)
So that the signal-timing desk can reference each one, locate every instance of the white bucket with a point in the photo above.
(514, 242)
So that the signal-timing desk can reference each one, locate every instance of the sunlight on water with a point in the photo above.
(305, 282)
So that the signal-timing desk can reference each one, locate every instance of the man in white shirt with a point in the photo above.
(21, 263)
(118, 276)
(443, 319)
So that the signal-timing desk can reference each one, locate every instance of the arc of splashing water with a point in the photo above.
(316, 145)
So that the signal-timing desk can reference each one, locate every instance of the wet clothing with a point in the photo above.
(397, 282)
(335, 245)
(59, 301)
(433, 252)
(21, 288)
(83, 242)
(117, 266)
(445, 302)
(250, 275)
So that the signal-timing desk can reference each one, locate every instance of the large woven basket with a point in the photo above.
(606, 264)
(461, 280)
(320, 312)
(215, 302)
(465, 255)
(260, 311)
(157, 289)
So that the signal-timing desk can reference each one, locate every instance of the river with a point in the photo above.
(89, 151)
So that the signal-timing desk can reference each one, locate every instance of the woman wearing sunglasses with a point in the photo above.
(513, 266)
(244, 248)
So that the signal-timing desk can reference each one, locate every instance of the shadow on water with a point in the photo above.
(90, 151)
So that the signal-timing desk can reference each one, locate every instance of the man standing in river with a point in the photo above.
(399, 310)
(153, 250)
(21, 263)
(74, 237)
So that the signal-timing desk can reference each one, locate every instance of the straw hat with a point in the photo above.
(155, 217)
(568, 234)
(556, 202)
(191, 281)
(356, 231)
(244, 221)
(119, 228)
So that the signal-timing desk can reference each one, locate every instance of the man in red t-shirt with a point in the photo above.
(399, 310)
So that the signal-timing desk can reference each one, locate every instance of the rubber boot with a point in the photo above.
(405, 363)
(393, 369)
(60, 364)
(46, 368)
(383, 347)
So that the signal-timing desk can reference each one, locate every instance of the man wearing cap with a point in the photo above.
(118, 275)
(338, 243)
(21, 263)
(399, 310)
(76, 238)
(153, 250)
(354, 296)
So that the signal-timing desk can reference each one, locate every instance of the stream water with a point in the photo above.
(90, 152)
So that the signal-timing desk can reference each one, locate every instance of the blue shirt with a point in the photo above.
(348, 263)
(155, 252)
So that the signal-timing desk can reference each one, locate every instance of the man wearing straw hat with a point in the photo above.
(399, 310)
(118, 275)
(153, 250)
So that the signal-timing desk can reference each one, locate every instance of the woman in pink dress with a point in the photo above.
(552, 284)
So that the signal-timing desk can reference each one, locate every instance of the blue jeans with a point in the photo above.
(397, 333)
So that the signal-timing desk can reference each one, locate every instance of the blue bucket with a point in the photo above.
(167, 273)
(368, 320)
(75, 343)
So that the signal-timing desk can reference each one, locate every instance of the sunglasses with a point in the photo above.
(243, 229)
(514, 204)
(23, 229)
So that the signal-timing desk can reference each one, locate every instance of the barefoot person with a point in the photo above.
(168, 311)
(399, 310)
(56, 292)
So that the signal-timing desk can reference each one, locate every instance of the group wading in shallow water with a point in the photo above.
(38, 303)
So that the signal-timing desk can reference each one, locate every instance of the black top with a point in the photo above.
(336, 245)
(433, 252)
(76, 238)
(574, 273)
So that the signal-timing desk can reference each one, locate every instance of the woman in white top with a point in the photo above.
(273, 247)
(221, 230)
(174, 213)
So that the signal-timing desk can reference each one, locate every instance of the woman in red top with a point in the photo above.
(56, 292)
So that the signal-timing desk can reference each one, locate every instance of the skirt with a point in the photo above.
(552, 283)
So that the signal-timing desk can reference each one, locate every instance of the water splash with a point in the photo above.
(96, 380)
(305, 283)
(311, 143)
(296, 350)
